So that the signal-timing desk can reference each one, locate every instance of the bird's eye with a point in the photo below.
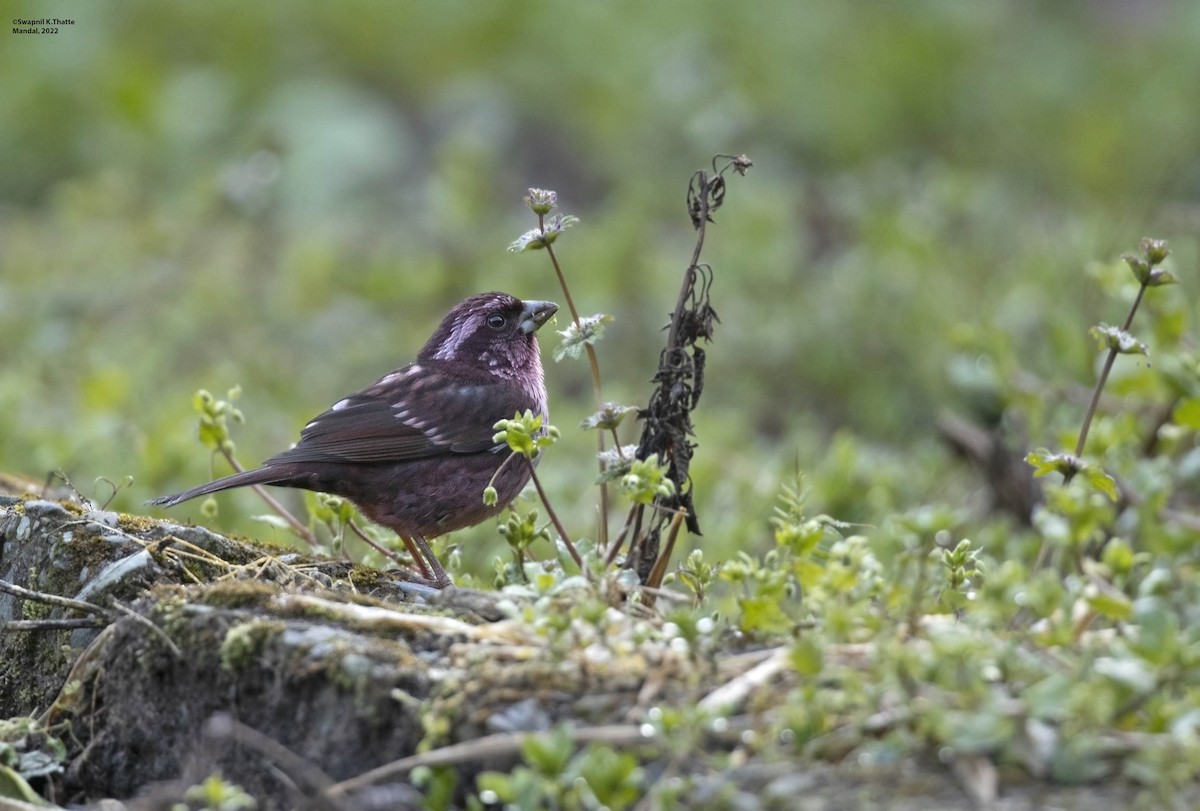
(496, 321)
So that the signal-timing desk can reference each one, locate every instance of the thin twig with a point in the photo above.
(389, 554)
(154, 629)
(308, 778)
(596, 387)
(53, 599)
(562, 532)
(655, 578)
(292, 521)
(52, 625)
(1108, 364)
(733, 692)
(615, 546)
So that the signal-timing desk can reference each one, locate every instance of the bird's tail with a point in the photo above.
(262, 475)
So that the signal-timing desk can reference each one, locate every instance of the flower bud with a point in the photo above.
(541, 201)
(1155, 250)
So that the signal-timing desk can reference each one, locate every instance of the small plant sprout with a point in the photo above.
(1117, 340)
(609, 418)
(214, 433)
(962, 568)
(521, 531)
(525, 437)
(698, 575)
(647, 480)
(654, 473)
(542, 237)
(214, 419)
(583, 333)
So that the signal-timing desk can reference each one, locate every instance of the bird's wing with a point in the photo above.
(413, 413)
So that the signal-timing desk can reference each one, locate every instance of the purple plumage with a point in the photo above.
(414, 450)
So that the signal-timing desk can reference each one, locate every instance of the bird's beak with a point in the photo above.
(536, 313)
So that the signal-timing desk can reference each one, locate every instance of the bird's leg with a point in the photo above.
(418, 558)
(414, 553)
(438, 576)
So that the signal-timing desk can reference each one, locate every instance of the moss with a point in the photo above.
(136, 524)
(274, 548)
(246, 640)
(73, 507)
(234, 594)
(85, 551)
(365, 577)
(33, 610)
(168, 608)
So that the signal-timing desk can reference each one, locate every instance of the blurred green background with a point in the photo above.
(289, 197)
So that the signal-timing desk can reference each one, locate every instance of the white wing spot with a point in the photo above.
(340, 404)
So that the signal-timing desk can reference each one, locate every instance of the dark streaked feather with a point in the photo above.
(262, 475)
(430, 409)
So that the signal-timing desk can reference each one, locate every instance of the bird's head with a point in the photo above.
(494, 330)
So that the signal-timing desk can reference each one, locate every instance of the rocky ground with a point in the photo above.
(322, 684)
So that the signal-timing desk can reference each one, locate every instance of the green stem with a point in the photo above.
(617, 443)
(1104, 372)
(304, 532)
(562, 532)
(596, 388)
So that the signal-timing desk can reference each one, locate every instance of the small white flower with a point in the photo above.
(541, 237)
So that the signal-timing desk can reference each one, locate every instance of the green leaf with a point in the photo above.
(1044, 463)
(1095, 476)
(550, 752)
(1111, 604)
(14, 787)
(807, 656)
(211, 434)
(1160, 277)
(1139, 266)
(1128, 672)
(1118, 556)
(647, 480)
(980, 732)
(1187, 414)
(498, 783)
(524, 433)
(762, 615)
(1047, 699)
(1076, 760)
(1156, 638)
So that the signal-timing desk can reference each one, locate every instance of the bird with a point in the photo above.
(415, 450)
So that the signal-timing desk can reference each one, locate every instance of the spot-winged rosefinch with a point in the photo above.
(414, 450)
